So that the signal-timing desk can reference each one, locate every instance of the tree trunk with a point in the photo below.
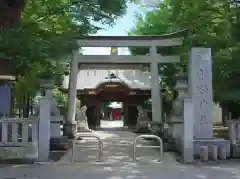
(26, 106)
(21, 103)
(10, 15)
(12, 104)
(10, 12)
(31, 106)
(225, 115)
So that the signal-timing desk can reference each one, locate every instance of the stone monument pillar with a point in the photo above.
(200, 91)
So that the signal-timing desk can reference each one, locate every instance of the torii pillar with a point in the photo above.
(70, 127)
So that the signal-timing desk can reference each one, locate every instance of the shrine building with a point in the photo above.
(131, 87)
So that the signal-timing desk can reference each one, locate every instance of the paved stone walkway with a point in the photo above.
(111, 124)
(117, 164)
(117, 148)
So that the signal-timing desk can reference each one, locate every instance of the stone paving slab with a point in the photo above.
(113, 149)
(121, 171)
(118, 164)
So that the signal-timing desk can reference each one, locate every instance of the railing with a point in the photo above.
(135, 146)
(100, 144)
(18, 131)
(87, 135)
(18, 138)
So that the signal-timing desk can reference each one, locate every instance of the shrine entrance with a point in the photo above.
(112, 89)
(190, 126)
(152, 58)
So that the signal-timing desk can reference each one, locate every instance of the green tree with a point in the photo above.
(158, 22)
(215, 24)
(211, 24)
(47, 29)
(39, 36)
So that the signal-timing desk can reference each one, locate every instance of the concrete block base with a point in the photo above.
(19, 153)
(142, 130)
(59, 143)
(235, 150)
(157, 129)
(222, 145)
(70, 130)
(178, 145)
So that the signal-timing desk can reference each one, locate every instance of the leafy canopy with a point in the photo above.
(44, 37)
(47, 29)
(211, 24)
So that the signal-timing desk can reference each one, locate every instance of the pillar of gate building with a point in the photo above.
(80, 61)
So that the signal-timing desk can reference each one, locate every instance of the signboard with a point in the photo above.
(114, 51)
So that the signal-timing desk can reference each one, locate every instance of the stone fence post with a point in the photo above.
(44, 129)
(188, 131)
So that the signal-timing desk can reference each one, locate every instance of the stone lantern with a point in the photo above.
(181, 87)
(46, 81)
(175, 124)
(57, 141)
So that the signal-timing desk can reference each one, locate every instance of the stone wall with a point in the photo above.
(26, 153)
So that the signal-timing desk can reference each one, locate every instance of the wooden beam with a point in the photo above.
(124, 59)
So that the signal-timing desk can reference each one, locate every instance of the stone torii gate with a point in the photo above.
(80, 61)
(191, 128)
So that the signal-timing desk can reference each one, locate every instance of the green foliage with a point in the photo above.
(210, 23)
(158, 22)
(213, 24)
(48, 28)
(44, 38)
(60, 98)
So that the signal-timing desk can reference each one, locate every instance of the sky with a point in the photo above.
(121, 28)
(123, 24)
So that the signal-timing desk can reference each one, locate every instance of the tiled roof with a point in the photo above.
(135, 79)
